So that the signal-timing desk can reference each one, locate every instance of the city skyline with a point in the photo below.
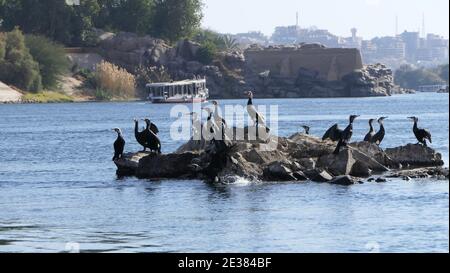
(372, 18)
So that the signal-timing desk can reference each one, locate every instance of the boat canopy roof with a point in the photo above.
(178, 83)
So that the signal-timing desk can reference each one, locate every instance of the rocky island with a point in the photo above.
(296, 158)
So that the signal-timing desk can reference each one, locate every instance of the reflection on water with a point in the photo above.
(58, 186)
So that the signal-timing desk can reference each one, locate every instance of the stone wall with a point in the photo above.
(330, 64)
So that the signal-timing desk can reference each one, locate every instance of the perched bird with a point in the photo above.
(334, 133)
(346, 134)
(119, 144)
(257, 117)
(152, 127)
(141, 137)
(379, 136)
(196, 125)
(306, 128)
(422, 135)
(152, 140)
(211, 126)
(371, 132)
(218, 120)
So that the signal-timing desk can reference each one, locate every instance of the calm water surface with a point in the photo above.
(58, 185)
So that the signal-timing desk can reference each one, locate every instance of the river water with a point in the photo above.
(59, 191)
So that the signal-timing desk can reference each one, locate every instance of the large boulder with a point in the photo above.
(374, 151)
(166, 166)
(350, 162)
(344, 180)
(415, 155)
(277, 171)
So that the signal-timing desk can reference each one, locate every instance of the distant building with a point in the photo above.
(252, 37)
(296, 35)
(351, 42)
(412, 44)
(407, 47)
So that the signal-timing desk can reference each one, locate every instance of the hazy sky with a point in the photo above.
(371, 17)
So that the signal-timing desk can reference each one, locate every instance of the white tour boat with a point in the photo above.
(186, 91)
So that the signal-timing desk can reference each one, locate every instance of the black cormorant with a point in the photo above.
(219, 144)
(218, 120)
(152, 140)
(346, 135)
(211, 126)
(307, 128)
(119, 145)
(334, 133)
(257, 117)
(379, 136)
(422, 135)
(141, 137)
(371, 132)
(152, 126)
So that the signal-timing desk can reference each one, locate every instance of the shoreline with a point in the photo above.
(88, 100)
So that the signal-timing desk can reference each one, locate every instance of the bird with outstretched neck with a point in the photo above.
(211, 127)
(422, 135)
(346, 135)
(218, 120)
(119, 145)
(141, 137)
(197, 126)
(257, 117)
(151, 139)
(379, 136)
(371, 133)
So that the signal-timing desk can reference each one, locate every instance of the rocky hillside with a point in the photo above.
(230, 74)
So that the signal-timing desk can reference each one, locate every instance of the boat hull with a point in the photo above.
(176, 100)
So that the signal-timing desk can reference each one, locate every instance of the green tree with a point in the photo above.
(443, 72)
(51, 58)
(17, 66)
(52, 18)
(206, 53)
(176, 19)
(409, 77)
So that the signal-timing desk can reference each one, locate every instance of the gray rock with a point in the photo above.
(277, 171)
(350, 162)
(415, 155)
(344, 180)
(317, 175)
(166, 166)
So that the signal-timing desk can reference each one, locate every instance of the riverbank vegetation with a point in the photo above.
(30, 63)
(411, 77)
(47, 97)
(114, 82)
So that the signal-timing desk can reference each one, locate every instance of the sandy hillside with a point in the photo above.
(7, 94)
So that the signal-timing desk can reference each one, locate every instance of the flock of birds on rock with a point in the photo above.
(343, 137)
(148, 138)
